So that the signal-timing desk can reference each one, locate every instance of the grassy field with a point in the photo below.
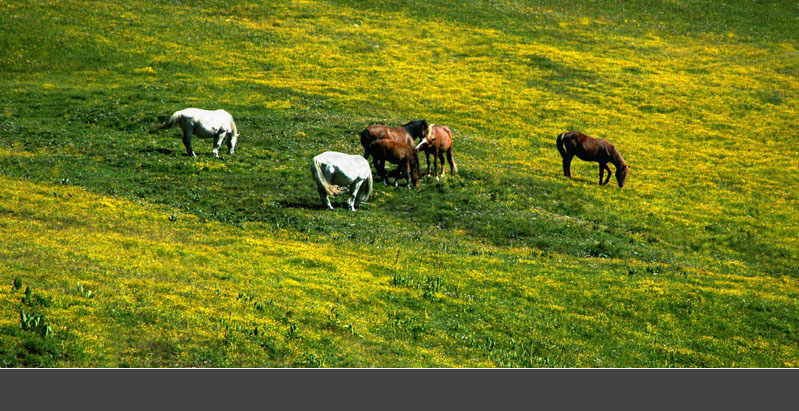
(117, 250)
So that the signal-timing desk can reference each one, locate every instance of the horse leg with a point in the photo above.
(452, 167)
(427, 158)
(567, 162)
(218, 142)
(187, 132)
(358, 194)
(376, 163)
(381, 171)
(602, 167)
(441, 158)
(231, 143)
(601, 173)
(407, 170)
(352, 201)
(323, 196)
(435, 163)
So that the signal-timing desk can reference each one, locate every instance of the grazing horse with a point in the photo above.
(217, 124)
(437, 141)
(591, 149)
(405, 134)
(336, 173)
(401, 154)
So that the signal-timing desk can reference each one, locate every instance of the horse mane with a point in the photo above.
(616, 157)
(429, 131)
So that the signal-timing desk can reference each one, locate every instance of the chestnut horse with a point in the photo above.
(575, 143)
(398, 153)
(437, 141)
(405, 134)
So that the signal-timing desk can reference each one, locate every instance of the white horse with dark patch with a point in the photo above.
(217, 124)
(336, 173)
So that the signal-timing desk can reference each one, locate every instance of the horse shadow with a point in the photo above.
(583, 181)
(168, 152)
(313, 205)
(304, 205)
(164, 151)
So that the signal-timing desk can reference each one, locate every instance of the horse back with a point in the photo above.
(444, 137)
(597, 149)
(335, 162)
(381, 132)
(587, 148)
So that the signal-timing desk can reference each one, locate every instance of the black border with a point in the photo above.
(493, 389)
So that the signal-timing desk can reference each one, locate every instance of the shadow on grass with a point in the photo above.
(164, 151)
(317, 206)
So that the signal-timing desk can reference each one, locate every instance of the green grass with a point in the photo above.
(233, 262)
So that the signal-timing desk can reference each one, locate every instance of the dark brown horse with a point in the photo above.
(437, 141)
(575, 143)
(401, 154)
(405, 134)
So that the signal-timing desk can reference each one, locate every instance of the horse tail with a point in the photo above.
(169, 123)
(369, 185)
(233, 127)
(559, 143)
(367, 152)
(316, 172)
(448, 131)
(451, 158)
(366, 138)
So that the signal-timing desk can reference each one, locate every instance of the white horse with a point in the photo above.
(217, 124)
(336, 173)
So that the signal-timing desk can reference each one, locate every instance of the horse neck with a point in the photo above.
(431, 133)
(616, 159)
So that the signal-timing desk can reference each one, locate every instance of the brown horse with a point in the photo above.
(575, 143)
(398, 153)
(437, 141)
(405, 134)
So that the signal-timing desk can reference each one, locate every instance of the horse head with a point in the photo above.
(416, 129)
(428, 137)
(621, 174)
